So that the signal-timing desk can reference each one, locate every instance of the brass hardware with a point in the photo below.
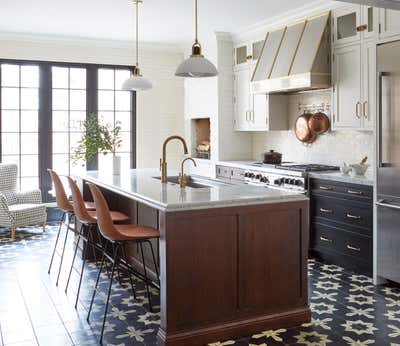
(326, 239)
(362, 27)
(359, 193)
(182, 177)
(327, 188)
(163, 161)
(249, 57)
(354, 217)
(353, 248)
(327, 211)
(357, 110)
(365, 103)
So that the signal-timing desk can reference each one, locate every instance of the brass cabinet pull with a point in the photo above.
(365, 113)
(328, 188)
(326, 239)
(354, 217)
(362, 27)
(353, 248)
(358, 115)
(249, 57)
(327, 211)
(358, 193)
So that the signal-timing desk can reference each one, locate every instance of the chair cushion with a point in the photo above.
(11, 197)
(25, 207)
(27, 214)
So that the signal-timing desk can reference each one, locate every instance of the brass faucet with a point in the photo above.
(163, 161)
(182, 177)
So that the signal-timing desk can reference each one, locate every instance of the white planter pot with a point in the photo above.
(116, 165)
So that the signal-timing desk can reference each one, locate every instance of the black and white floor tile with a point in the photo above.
(347, 309)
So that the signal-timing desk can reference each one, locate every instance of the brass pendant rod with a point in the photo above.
(196, 21)
(137, 34)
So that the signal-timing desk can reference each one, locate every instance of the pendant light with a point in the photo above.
(196, 66)
(137, 82)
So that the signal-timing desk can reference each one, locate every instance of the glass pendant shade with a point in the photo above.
(136, 82)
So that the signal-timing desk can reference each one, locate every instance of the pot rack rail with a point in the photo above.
(324, 106)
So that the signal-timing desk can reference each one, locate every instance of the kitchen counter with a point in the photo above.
(141, 185)
(338, 176)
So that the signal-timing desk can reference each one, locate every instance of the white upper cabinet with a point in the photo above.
(354, 23)
(354, 80)
(248, 52)
(389, 24)
(242, 77)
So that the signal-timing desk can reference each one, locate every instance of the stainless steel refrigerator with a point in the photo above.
(388, 174)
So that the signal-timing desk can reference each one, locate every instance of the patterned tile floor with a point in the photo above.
(347, 308)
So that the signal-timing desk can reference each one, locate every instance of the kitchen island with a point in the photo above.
(233, 258)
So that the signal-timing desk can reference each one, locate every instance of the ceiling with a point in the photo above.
(169, 22)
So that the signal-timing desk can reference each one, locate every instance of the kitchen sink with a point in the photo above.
(196, 182)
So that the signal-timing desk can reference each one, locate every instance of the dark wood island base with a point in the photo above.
(227, 272)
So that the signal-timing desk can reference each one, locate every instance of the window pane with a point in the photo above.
(106, 118)
(60, 143)
(120, 77)
(60, 100)
(29, 143)
(122, 100)
(78, 167)
(29, 183)
(29, 121)
(76, 119)
(75, 137)
(10, 159)
(10, 75)
(77, 78)
(124, 118)
(29, 165)
(106, 100)
(126, 142)
(30, 76)
(106, 79)
(60, 77)
(60, 121)
(61, 164)
(78, 100)
(10, 143)
(9, 98)
(29, 99)
(10, 121)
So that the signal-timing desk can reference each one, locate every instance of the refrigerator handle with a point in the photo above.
(387, 205)
(382, 119)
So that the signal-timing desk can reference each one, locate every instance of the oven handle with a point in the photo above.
(387, 205)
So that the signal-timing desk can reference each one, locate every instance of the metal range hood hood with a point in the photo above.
(295, 58)
(390, 4)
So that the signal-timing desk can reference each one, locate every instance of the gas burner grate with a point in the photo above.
(308, 168)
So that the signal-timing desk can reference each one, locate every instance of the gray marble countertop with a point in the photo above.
(338, 176)
(140, 184)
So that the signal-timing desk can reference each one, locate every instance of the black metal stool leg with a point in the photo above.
(83, 268)
(154, 261)
(63, 250)
(130, 275)
(115, 263)
(145, 276)
(97, 280)
(73, 259)
(55, 245)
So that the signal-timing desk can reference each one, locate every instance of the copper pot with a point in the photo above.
(272, 157)
(302, 130)
(319, 123)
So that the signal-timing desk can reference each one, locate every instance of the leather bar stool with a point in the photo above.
(68, 213)
(88, 221)
(118, 236)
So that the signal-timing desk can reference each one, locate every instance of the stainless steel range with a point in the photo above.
(287, 176)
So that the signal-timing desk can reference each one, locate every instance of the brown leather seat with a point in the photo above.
(118, 232)
(81, 212)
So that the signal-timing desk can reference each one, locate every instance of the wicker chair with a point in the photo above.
(18, 209)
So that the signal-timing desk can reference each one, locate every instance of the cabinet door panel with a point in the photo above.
(259, 115)
(347, 83)
(242, 98)
(389, 23)
(345, 23)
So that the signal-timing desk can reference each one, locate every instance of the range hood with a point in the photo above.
(295, 58)
(391, 4)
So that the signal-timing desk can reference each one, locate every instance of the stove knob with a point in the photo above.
(292, 181)
(277, 182)
(287, 181)
(251, 175)
(258, 176)
(264, 180)
(298, 182)
(246, 175)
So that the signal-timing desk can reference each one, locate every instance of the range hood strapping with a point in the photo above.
(295, 58)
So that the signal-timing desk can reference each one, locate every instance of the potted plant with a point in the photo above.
(97, 138)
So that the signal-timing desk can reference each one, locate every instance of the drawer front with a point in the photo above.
(355, 215)
(327, 238)
(342, 190)
(224, 172)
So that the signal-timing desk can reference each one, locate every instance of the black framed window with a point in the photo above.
(42, 105)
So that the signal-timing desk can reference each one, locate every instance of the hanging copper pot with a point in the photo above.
(302, 130)
(319, 123)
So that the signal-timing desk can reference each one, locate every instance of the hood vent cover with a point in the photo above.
(295, 58)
